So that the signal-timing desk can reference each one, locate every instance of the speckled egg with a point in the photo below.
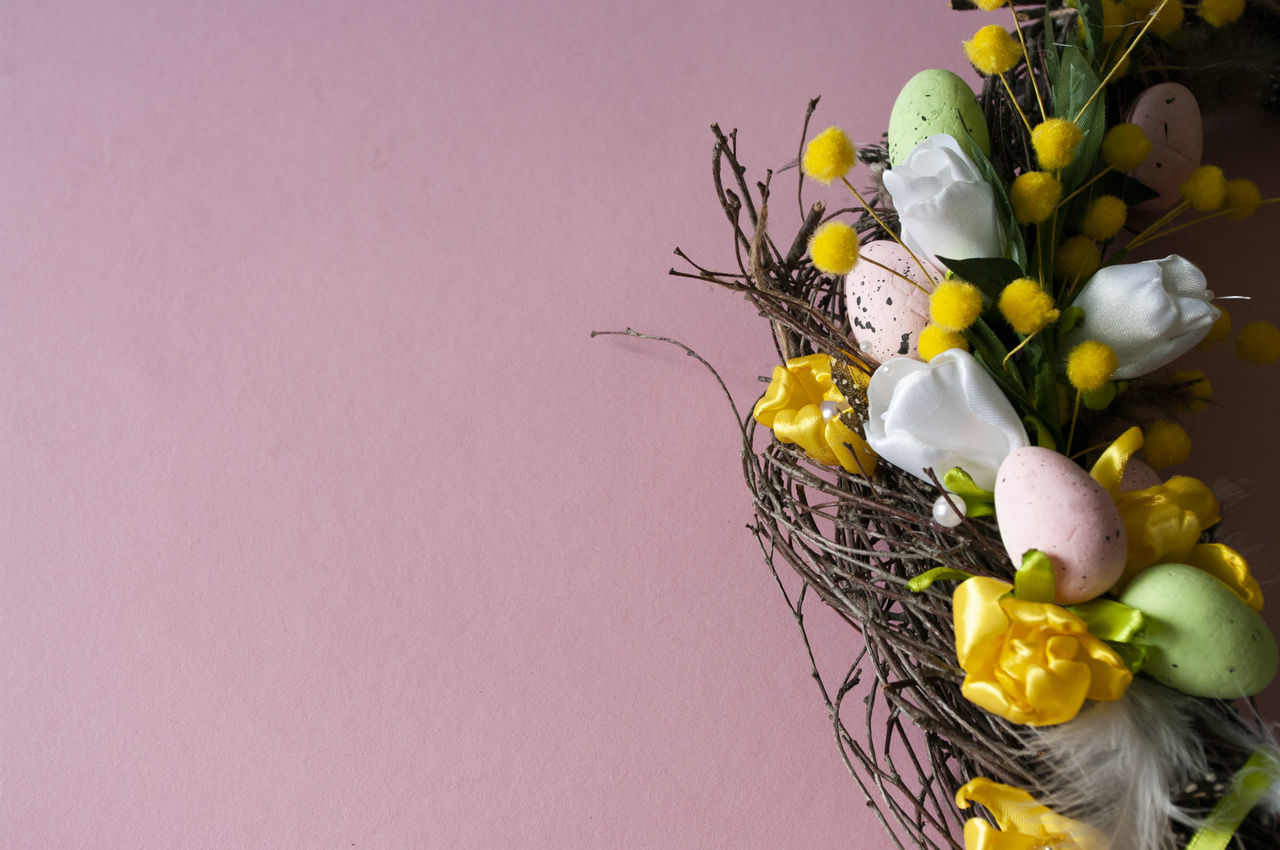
(1170, 117)
(1201, 638)
(932, 102)
(1046, 502)
(1138, 475)
(887, 313)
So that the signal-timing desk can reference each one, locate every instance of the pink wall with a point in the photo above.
(324, 522)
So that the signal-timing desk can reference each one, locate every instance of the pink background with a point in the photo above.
(324, 521)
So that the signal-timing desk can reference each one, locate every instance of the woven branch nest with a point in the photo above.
(907, 735)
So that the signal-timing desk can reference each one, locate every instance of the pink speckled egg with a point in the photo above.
(1138, 475)
(1046, 502)
(1170, 117)
(886, 312)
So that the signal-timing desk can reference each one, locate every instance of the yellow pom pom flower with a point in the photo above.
(955, 305)
(1104, 217)
(1165, 444)
(1076, 259)
(1219, 13)
(1259, 342)
(935, 340)
(1142, 8)
(1243, 199)
(1090, 365)
(1168, 19)
(834, 248)
(1220, 330)
(989, 5)
(1026, 306)
(1115, 16)
(1125, 147)
(1205, 189)
(1034, 195)
(829, 155)
(1194, 388)
(1055, 141)
(993, 50)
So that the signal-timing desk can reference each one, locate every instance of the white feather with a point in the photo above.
(1119, 765)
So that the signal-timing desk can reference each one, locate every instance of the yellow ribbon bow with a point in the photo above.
(1030, 662)
(1164, 522)
(1024, 824)
(792, 408)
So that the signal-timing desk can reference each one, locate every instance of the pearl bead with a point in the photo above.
(831, 409)
(944, 515)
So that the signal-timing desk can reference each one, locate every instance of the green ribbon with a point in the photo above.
(1034, 581)
(978, 502)
(1248, 786)
(922, 581)
(1111, 621)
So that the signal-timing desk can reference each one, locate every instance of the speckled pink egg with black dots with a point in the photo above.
(886, 312)
(1046, 502)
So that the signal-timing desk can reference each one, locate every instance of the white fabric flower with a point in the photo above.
(945, 207)
(1150, 313)
(944, 413)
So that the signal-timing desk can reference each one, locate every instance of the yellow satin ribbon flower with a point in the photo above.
(792, 408)
(1024, 824)
(1032, 663)
(1164, 522)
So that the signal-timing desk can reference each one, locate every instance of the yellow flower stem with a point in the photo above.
(1053, 239)
(886, 227)
(894, 272)
(1014, 101)
(1151, 19)
(1154, 236)
(1075, 414)
(1147, 234)
(1087, 449)
(1085, 185)
(1016, 349)
(1017, 25)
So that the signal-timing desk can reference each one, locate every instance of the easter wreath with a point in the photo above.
(968, 369)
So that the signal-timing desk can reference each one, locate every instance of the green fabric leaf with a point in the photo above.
(924, 580)
(990, 274)
(1034, 580)
(1109, 620)
(1073, 85)
(957, 481)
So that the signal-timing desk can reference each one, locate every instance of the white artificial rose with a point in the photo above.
(945, 207)
(1150, 313)
(944, 413)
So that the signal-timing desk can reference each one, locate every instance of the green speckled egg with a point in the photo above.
(933, 102)
(1201, 639)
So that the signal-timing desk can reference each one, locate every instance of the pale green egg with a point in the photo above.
(933, 102)
(1200, 637)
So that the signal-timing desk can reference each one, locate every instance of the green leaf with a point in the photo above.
(1091, 11)
(1099, 399)
(1109, 620)
(1069, 320)
(1004, 208)
(1046, 437)
(957, 481)
(1133, 656)
(1034, 581)
(1073, 85)
(1125, 188)
(924, 580)
(990, 274)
